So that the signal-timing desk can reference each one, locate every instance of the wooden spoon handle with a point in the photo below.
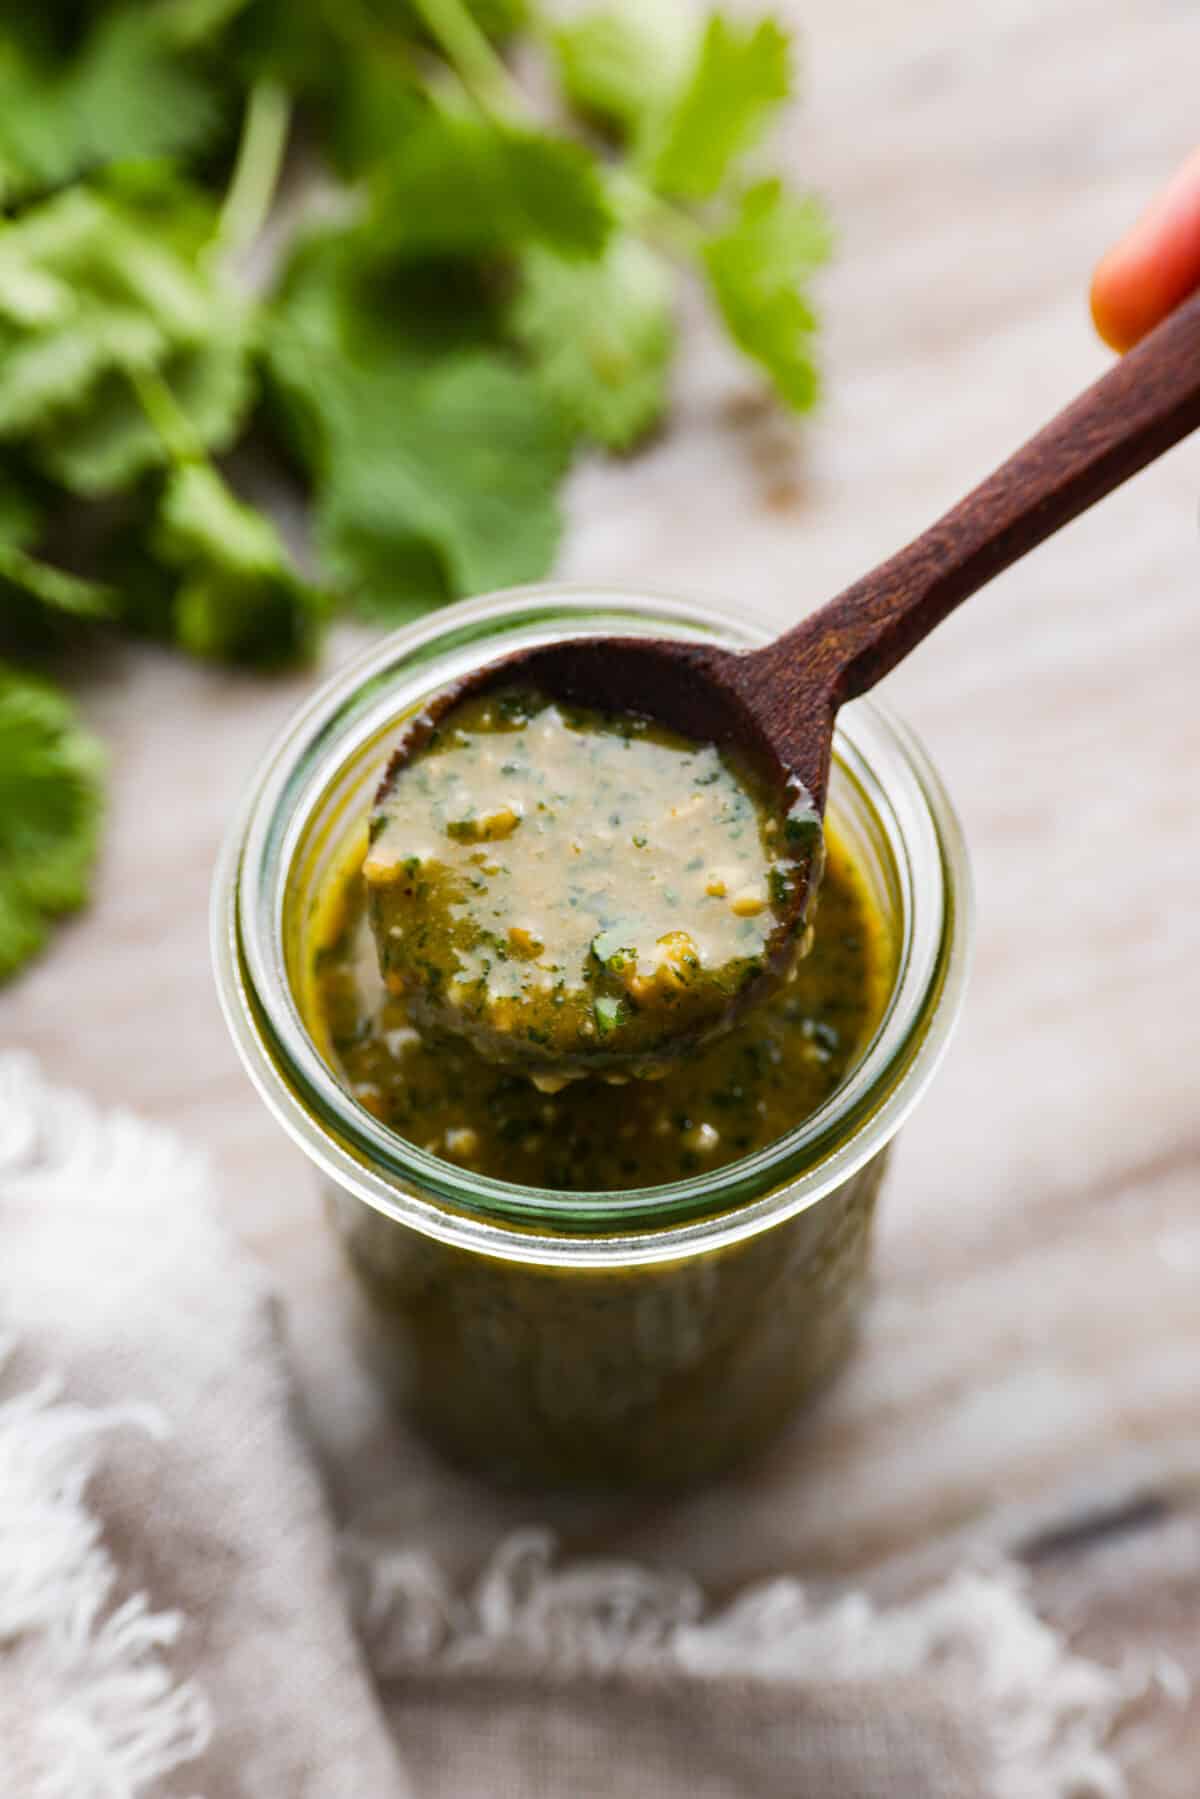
(1143, 406)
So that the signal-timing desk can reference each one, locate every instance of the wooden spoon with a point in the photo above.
(778, 705)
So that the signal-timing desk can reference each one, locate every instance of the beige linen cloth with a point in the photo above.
(177, 1616)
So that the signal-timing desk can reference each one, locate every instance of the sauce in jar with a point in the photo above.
(746, 1088)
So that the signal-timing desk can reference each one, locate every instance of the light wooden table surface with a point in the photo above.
(1029, 1374)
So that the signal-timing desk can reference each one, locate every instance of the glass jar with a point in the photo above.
(651, 1335)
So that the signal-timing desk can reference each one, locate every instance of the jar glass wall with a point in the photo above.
(643, 1335)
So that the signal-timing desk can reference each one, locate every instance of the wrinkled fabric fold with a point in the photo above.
(178, 1617)
(119, 1286)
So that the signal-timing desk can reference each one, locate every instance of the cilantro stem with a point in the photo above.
(55, 587)
(471, 54)
(256, 171)
(647, 213)
(167, 416)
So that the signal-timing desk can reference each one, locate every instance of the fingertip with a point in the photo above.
(1113, 315)
(1154, 267)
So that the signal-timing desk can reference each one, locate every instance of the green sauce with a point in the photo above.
(573, 892)
(655, 1373)
(738, 1094)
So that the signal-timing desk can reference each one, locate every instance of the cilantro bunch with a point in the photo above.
(471, 286)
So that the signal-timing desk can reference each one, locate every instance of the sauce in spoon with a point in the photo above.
(576, 892)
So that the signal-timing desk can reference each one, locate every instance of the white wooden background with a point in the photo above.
(1030, 1371)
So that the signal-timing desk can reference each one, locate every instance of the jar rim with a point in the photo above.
(501, 1218)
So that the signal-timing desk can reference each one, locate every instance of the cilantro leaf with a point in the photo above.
(345, 296)
(439, 483)
(135, 87)
(49, 812)
(741, 75)
(758, 266)
(601, 335)
(435, 456)
(89, 296)
(460, 184)
(622, 66)
(370, 103)
(236, 598)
